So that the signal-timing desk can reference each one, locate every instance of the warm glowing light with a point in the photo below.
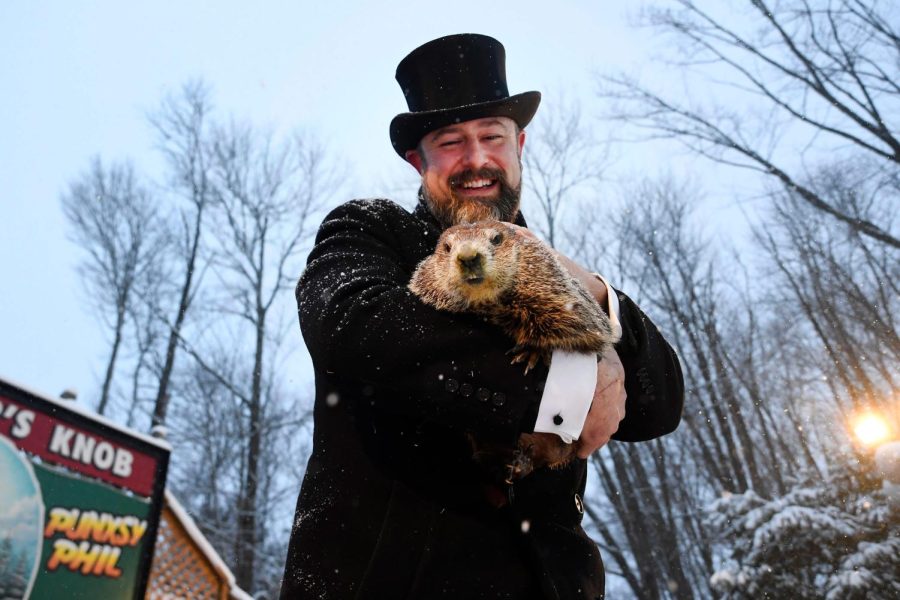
(871, 429)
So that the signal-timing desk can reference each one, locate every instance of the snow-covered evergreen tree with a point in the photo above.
(17, 580)
(5, 560)
(13, 572)
(833, 539)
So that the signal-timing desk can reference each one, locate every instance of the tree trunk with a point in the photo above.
(111, 365)
(246, 540)
(161, 406)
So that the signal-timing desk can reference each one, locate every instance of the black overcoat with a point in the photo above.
(392, 506)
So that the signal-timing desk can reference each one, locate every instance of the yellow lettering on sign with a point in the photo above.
(85, 526)
(61, 520)
(137, 531)
(89, 559)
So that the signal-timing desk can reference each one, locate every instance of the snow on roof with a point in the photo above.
(89, 414)
(205, 547)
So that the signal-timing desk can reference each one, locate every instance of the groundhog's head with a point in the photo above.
(473, 264)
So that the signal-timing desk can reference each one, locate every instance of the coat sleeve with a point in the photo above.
(653, 377)
(361, 324)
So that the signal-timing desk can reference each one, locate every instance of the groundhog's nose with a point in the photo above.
(469, 261)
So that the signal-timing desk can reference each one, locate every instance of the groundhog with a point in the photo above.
(516, 282)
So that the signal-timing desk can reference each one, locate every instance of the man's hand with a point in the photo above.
(594, 286)
(607, 408)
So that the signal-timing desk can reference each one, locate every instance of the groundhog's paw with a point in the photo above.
(529, 356)
(521, 465)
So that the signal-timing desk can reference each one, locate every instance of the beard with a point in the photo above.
(452, 210)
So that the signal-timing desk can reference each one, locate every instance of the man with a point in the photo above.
(392, 504)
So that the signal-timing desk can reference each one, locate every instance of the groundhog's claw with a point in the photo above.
(529, 356)
(518, 353)
(521, 465)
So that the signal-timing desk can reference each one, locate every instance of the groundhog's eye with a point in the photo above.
(446, 247)
(498, 237)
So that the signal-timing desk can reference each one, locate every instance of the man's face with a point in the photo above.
(471, 171)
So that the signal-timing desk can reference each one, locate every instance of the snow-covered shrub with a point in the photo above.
(834, 539)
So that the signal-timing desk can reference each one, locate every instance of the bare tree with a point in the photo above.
(264, 193)
(113, 218)
(204, 430)
(827, 68)
(734, 436)
(775, 354)
(148, 331)
(233, 214)
(182, 124)
(207, 432)
(561, 159)
(843, 285)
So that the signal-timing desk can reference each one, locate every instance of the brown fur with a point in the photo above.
(516, 282)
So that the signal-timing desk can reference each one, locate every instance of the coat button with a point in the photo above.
(451, 385)
(579, 505)
(466, 389)
(498, 398)
(483, 394)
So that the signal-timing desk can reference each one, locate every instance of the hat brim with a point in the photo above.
(408, 129)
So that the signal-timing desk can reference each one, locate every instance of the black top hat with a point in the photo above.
(453, 79)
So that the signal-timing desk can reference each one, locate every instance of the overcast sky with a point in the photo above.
(79, 77)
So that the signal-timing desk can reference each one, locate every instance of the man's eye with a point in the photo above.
(449, 143)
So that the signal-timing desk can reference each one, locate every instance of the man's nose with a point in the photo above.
(476, 154)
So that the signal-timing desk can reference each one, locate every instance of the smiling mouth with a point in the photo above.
(476, 184)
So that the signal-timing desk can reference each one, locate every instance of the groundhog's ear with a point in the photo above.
(415, 159)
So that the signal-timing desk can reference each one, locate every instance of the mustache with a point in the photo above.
(452, 210)
(469, 175)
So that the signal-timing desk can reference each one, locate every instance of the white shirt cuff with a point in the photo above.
(568, 394)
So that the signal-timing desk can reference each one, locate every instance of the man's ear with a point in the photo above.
(521, 142)
(415, 159)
